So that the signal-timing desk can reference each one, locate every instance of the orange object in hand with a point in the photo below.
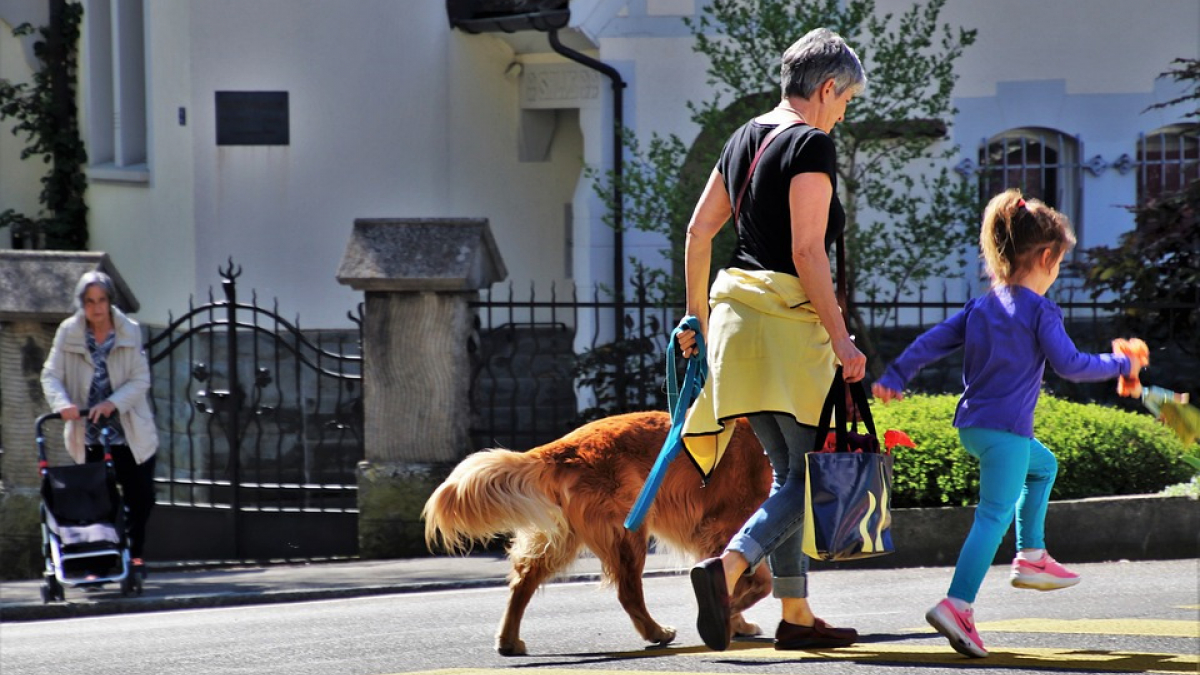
(1139, 354)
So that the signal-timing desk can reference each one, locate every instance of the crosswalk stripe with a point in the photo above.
(1139, 627)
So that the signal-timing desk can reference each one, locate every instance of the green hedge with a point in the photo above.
(1101, 451)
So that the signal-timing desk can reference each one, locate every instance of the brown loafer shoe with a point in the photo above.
(817, 636)
(708, 581)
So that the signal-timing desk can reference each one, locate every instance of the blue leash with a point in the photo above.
(678, 403)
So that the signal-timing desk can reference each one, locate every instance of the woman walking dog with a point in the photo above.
(775, 333)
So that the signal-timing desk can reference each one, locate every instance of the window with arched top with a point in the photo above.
(1167, 159)
(1042, 163)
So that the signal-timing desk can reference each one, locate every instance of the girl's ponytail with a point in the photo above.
(1015, 231)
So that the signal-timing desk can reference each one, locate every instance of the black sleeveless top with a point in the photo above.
(764, 230)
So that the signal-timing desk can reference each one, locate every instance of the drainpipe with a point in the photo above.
(618, 86)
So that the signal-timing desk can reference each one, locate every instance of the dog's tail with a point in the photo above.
(489, 493)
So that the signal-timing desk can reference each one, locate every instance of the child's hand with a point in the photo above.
(884, 394)
(1138, 354)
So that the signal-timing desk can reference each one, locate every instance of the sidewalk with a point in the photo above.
(1137, 527)
(175, 588)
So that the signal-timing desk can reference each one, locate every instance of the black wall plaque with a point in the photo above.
(252, 118)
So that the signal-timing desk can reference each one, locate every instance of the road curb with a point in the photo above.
(111, 606)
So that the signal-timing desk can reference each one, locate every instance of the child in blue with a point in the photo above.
(1007, 337)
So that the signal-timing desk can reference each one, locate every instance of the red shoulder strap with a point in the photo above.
(737, 207)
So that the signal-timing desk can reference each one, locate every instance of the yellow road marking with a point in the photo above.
(1021, 658)
(1140, 627)
(1188, 607)
(940, 654)
(565, 671)
(1031, 657)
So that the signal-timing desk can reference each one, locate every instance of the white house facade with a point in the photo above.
(259, 130)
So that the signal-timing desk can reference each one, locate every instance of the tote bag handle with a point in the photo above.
(835, 406)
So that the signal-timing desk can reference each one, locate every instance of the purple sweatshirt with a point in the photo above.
(1007, 337)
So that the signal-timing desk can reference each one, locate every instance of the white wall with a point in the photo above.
(1096, 46)
(391, 115)
(524, 201)
(149, 229)
(1086, 67)
(358, 82)
(665, 75)
(19, 180)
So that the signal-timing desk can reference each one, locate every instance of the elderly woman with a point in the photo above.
(775, 333)
(97, 363)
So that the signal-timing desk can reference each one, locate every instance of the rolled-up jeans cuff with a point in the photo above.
(750, 550)
(789, 587)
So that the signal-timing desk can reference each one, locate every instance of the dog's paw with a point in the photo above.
(744, 628)
(510, 648)
(663, 636)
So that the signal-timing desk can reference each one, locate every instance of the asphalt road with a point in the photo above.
(1139, 617)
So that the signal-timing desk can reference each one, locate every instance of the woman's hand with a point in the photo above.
(69, 413)
(886, 395)
(687, 343)
(103, 409)
(854, 362)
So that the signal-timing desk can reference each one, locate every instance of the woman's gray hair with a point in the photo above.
(819, 56)
(94, 278)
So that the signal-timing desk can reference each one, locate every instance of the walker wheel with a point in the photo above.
(51, 589)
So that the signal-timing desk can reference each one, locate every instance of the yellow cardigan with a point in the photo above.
(767, 352)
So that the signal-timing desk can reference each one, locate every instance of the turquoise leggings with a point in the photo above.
(1015, 477)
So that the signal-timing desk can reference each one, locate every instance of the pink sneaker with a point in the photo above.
(957, 627)
(1043, 575)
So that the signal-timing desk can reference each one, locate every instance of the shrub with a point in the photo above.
(1101, 451)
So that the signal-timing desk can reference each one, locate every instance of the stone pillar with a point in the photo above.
(35, 295)
(418, 276)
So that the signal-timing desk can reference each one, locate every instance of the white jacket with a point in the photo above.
(67, 375)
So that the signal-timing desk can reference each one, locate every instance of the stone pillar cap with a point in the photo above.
(38, 285)
(421, 254)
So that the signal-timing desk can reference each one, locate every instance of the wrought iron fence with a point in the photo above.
(529, 386)
(544, 365)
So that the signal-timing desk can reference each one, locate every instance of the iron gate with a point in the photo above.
(261, 431)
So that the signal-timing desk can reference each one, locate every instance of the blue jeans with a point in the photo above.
(774, 531)
(1015, 477)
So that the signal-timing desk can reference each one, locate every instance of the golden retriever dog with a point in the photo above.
(576, 491)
